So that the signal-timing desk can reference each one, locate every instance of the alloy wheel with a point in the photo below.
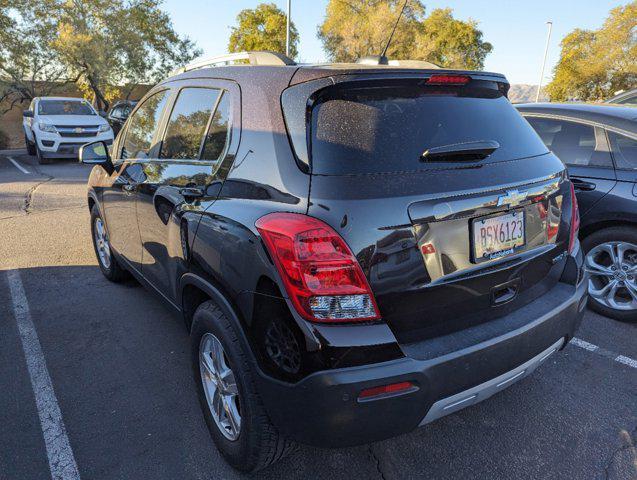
(220, 386)
(101, 243)
(612, 267)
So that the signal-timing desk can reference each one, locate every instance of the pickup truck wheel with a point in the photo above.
(611, 262)
(107, 261)
(232, 407)
(30, 146)
(42, 160)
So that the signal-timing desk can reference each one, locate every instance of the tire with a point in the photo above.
(257, 444)
(623, 235)
(30, 146)
(42, 160)
(111, 269)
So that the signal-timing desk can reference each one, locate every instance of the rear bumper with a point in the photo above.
(323, 409)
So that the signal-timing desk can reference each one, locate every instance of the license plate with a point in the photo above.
(496, 237)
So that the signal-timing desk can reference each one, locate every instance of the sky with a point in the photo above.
(516, 29)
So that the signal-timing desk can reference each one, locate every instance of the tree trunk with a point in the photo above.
(102, 104)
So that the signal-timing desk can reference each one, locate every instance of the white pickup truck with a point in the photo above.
(56, 127)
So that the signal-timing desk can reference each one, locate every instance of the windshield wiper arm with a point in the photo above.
(478, 150)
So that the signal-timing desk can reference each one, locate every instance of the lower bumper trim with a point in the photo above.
(485, 390)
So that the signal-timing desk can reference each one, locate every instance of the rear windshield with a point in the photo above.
(64, 107)
(376, 129)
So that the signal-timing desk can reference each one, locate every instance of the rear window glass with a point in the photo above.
(64, 107)
(375, 129)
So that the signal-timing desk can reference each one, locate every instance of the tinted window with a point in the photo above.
(624, 150)
(142, 126)
(64, 107)
(217, 135)
(385, 129)
(188, 122)
(574, 143)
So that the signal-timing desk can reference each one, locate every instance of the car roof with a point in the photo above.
(617, 116)
(305, 72)
(73, 99)
(621, 96)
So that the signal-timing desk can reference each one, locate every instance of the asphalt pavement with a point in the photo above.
(114, 364)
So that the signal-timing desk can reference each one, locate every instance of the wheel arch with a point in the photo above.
(593, 227)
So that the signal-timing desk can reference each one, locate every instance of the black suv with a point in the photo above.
(357, 250)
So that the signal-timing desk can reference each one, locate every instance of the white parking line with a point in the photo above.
(604, 353)
(18, 166)
(58, 449)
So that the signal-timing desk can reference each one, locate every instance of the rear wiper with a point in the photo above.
(467, 151)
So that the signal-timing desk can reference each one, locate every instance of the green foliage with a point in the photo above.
(104, 43)
(356, 28)
(263, 28)
(594, 64)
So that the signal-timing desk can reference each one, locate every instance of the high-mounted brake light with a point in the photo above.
(321, 275)
(448, 80)
(575, 221)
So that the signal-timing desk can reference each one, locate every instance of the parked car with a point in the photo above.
(628, 98)
(56, 127)
(357, 250)
(119, 113)
(598, 143)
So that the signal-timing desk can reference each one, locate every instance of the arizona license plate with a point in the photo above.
(495, 237)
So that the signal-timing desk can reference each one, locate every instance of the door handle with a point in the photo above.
(583, 186)
(191, 192)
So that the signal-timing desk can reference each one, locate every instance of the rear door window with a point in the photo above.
(188, 122)
(624, 150)
(375, 129)
(576, 144)
(143, 125)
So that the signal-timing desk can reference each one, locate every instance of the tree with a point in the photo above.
(110, 44)
(594, 64)
(28, 67)
(356, 28)
(262, 28)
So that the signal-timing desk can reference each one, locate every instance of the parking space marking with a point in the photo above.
(18, 166)
(58, 449)
(578, 342)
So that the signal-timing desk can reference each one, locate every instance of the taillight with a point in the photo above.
(448, 80)
(574, 221)
(321, 275)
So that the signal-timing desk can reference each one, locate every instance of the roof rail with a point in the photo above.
(253, 58)
(383, 61)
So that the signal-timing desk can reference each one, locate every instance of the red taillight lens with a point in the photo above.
(574, 221)
(321, 275)
(448, 80)
(386, 390)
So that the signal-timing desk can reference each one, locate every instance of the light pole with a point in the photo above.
(546, 51)
(287, 31)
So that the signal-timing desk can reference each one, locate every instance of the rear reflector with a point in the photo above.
(321, 276)
(387, 391)
(448, 80)
(575, 221)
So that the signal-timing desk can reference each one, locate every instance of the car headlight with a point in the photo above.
(104, 128)
(45, 127)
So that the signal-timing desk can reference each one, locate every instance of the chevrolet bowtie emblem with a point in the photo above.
(79, 130)
(512, 198)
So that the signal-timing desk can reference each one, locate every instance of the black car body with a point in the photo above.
(332, 236)
(118, 114)
(598, 143)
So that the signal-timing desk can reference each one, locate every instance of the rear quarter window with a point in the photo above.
(377, 129)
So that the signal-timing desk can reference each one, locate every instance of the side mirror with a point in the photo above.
(102, 113)
(96, 153)
(27, 114)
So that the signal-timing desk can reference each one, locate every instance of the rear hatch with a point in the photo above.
(447, 197)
